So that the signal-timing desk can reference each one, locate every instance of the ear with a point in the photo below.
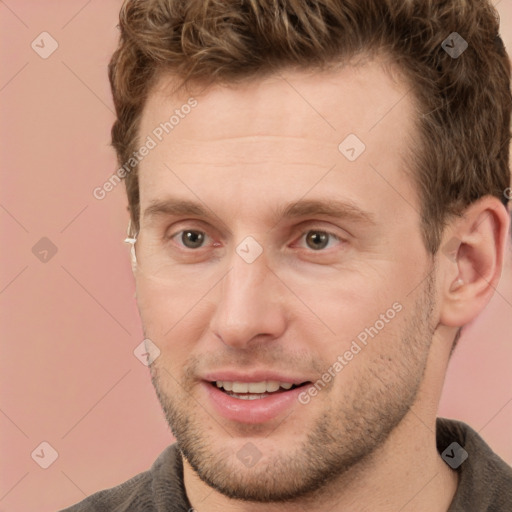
(471, 260)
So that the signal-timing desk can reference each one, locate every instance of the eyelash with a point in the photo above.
(303, 233)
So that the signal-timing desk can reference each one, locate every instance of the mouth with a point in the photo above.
(255, 390)
(254, 402)
(253, 397)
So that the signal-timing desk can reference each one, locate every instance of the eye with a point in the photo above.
(317, 239)
(190, 238)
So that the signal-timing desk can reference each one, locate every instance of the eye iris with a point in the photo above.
(192, 239)
(317, 237)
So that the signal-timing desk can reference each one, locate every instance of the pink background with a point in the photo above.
(68, 375)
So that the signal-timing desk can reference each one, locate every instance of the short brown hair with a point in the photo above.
(465, 101)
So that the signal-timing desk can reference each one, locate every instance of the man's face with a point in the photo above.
(242, 295)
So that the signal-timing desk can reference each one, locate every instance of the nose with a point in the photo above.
(251, 304)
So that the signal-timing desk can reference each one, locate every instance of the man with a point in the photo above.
(318, 195)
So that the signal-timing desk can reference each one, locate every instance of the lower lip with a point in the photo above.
(252, 411)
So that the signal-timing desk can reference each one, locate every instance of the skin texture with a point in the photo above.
(367, 439)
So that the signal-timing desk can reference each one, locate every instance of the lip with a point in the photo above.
(251, 411)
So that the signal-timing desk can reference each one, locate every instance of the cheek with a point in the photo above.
(345, 304)
(172, 320)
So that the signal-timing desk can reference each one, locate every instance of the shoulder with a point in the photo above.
(485, 480)
(152, 490)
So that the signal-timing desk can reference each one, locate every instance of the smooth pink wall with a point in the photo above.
(69, 325)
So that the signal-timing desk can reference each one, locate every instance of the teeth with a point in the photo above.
(272, 385)
(258, 388)
(248, 396)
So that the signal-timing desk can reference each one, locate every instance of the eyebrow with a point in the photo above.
(301, 208)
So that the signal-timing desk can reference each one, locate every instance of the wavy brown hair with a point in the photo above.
(465, 103)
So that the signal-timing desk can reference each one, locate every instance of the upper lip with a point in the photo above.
(253, 376)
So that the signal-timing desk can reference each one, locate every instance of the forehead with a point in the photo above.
(359, 93)
(275, 136)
